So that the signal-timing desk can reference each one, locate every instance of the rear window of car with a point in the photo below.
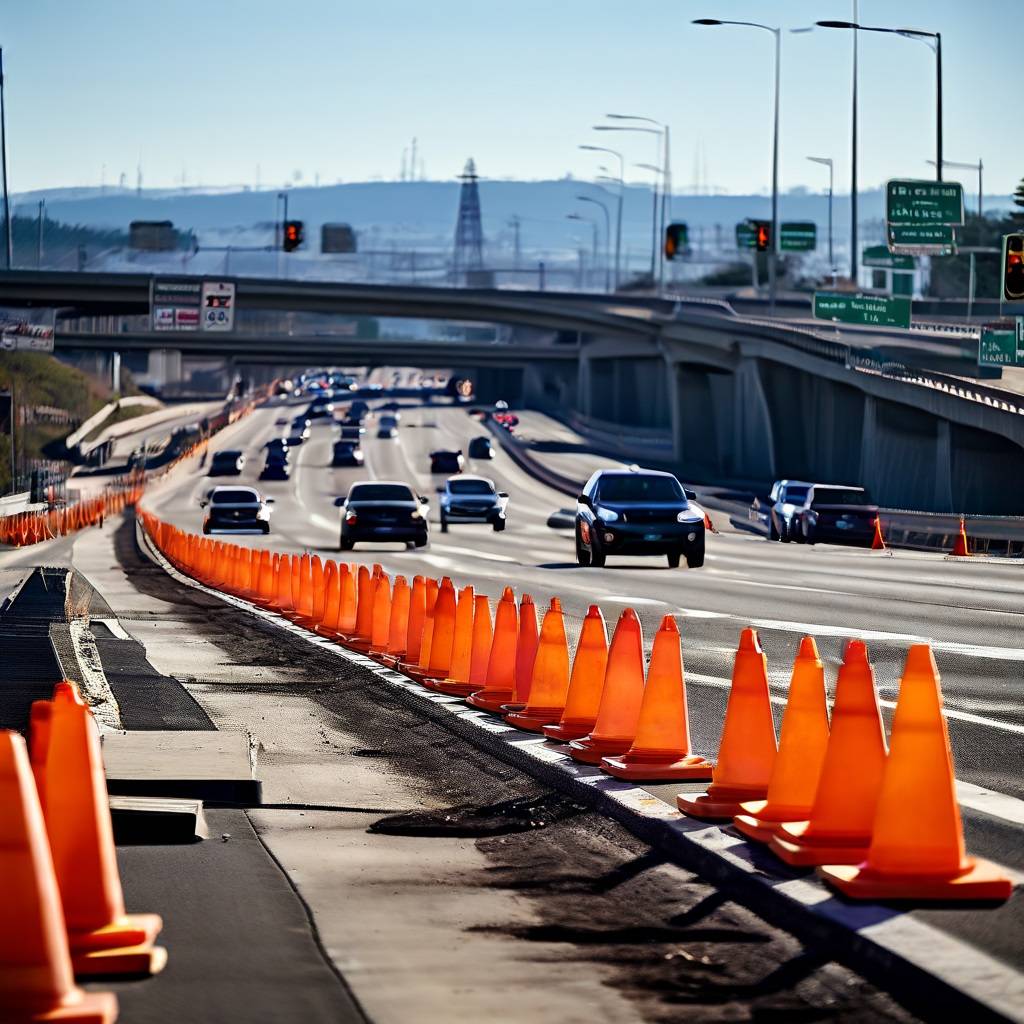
(235, 498)
(470, 487)
(388, 421)
(637, 487)
(226, 456)
(840, 496)
(795, 495)
(380, 492)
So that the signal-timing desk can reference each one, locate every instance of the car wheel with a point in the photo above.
(266, 529)
(673, 559)
(695, 557)
(444, 525)
(499, 525)
(206, 529)
(773, 534)
(421, 542)
(582, 554)
(346, 544)
(808, 537)
(795, 532)
(597, 556)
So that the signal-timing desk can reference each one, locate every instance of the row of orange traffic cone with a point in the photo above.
(961, 547)
(818, 796)
(24, 528)
(63, 914)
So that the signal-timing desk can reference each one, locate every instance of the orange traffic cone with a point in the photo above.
(550, 683)
(398, 627)
(586, 682)
(36, 982)
(457, 681)
(615, 728)
(803, 739)
(482, 639)
(264, 579)
(878, 541)
(442, 636)
(661, 749)
(381, 617)
(747, 750)
(360, 636)
(328, 624)
(838, 830)
(348, 609)
(917, 844)
(417, 612)
(526, 653)
(103, 938)
(960, 546)
(501, 663)
(319, 591)
(304, 608)
(427, 633)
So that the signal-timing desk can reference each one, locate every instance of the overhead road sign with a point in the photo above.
(218, 305)
(746, 235)
(798, 236)
(924, 202)
(999, 346)
(862, 309)
(191, 304)
(880, 256)
(922, 239)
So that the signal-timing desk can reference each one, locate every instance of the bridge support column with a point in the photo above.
(753, 440)
(944, 468)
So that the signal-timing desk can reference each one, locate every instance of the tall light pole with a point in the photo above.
(654, 211)
(827, 162)
(933, 40)
(593, 228)
(607, 236)
(777, 33)
(618, 216)
(9, 248)
(967, 167)
(39, 237)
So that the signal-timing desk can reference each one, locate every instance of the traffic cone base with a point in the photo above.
(981, 881)
(571, 729)
(533, 719)
(490, 700)
(759, 821)
(452, 687)
(794, 843)
(718, 804)
(124, 959)
(591, 749)
(646, 768)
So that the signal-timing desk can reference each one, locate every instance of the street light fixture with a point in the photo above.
(777, 33)
(593, 227)
(607, 236)
(618, 216)
(967, 167)
(826, 161)
(931, 39)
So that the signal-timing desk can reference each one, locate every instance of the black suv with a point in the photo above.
(383, 511)
(638, 512)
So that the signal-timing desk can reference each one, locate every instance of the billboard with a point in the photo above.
(337, 238)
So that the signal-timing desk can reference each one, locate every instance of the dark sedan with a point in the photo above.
(383, 511)
(228, 463)
(347, 453)
(836, 513)
(276, 466)
(447, 462)
(637, 512)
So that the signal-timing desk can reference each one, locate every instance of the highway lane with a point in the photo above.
(972, 612)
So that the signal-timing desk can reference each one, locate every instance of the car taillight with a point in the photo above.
(351, 519)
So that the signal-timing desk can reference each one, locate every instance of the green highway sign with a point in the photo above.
(924, 202)
(746, 235)
(922, 239)
(798, 236)
(879, 256)
(862, 309)
(997, 346)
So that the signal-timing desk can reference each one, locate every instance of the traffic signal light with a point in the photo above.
(677, 240)
(1013, 267)
(293, 235)
(762, 235)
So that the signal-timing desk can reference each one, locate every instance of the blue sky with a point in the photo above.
(211, 89)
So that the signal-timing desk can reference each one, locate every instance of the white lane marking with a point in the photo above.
(322, 521)
(731, 576)
(488, 556)
(623, 599)
(115, 627)
(702, 613)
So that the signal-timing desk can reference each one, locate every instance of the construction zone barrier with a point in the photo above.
(876, 825)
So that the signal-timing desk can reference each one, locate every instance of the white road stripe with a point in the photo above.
(489, 556)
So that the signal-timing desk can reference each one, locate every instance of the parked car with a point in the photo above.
(226, 463)
(446, 462)
(276, 466)
(838, 513)
(776, 512)
(387, 427)
(472, 499)
(638, 512)
(481, 448)
(347, 453)
(236, 508)
(381, 511)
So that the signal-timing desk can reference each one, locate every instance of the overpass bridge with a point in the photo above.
(725, 397)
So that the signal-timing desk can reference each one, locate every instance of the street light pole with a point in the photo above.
(618, 216)
(9, 248)
(593, 228)
(777, 33)
(827, 162)
(39, 238)
(607, 237)
(967, 167)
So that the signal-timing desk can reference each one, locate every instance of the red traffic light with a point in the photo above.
(1013, 268)
(293, 235)
(763, 240)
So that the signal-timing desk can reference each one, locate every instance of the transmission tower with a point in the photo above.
(469, 237)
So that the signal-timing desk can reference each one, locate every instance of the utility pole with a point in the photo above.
(516, 250)
(39, 240)
(9, 248)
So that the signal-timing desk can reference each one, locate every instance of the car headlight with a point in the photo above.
(688, 516)
(606, 514)
(416, 514)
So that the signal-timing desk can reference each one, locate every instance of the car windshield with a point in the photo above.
(795, 495)
(636, 487)
(380, 492)
(234, 497)
(470, 487)
(840, 496)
